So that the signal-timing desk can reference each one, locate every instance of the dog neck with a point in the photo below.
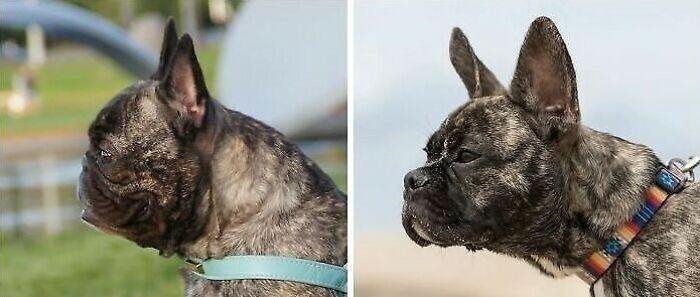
(260, 193)
(605, 180)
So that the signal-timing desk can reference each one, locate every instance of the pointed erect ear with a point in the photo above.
(167, 49)
(183, 84)
(545, 82)
(480, 82)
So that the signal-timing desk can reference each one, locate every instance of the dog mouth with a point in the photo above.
(90, 219)
(420, 231)
(105, 210)
(87, 215)
(424, 233)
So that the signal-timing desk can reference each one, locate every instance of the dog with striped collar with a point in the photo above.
(515, 172)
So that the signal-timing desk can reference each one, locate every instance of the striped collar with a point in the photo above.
(668, 180)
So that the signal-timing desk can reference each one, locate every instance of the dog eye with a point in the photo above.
(144, 209)
(105, 155)
(466, 156)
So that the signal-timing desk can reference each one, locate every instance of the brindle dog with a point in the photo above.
(514, 171)
(171, 168)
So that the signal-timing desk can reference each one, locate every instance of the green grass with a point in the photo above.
(73, 89)
(85, 263)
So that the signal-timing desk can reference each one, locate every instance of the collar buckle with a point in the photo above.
(672, 178)
(194, 266)
(693, 162)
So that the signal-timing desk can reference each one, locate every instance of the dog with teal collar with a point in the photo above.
(172, 169)
(515, 172)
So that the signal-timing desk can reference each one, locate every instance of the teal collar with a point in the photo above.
(272, 268)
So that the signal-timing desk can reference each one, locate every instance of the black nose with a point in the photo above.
(415, 179)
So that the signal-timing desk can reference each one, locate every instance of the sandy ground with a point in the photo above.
(394, 266)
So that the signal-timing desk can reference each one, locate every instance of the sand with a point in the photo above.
(394, 266)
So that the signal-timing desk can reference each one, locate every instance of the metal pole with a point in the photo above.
(126, 11)
(49, 191)
(36, 49)
(15, 200)
(188, 10)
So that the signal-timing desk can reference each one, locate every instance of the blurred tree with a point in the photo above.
(18, 36)
(108, 9)
(111, 9)
(121, 11)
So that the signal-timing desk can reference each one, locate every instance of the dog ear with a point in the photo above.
(480, 82)
(545, 82)
(183, 84)
(167, 48)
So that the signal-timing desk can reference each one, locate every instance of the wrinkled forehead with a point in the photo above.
(475, 114)
(134, 109)
(493, 119)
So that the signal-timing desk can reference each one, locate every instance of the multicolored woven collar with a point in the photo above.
(669, 180)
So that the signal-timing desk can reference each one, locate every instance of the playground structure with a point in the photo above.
(63, 21)
(38, 174)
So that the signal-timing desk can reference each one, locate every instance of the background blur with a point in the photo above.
(60, 61)
(636, 64)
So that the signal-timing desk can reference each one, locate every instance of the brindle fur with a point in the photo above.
(543, 187)
(187, 176)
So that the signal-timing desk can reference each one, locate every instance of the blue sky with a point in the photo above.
(636, 64)
(285, 61)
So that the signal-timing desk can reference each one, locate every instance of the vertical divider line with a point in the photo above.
(350, 143)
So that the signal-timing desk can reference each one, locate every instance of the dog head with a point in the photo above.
(140, 175)
(491, 178)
